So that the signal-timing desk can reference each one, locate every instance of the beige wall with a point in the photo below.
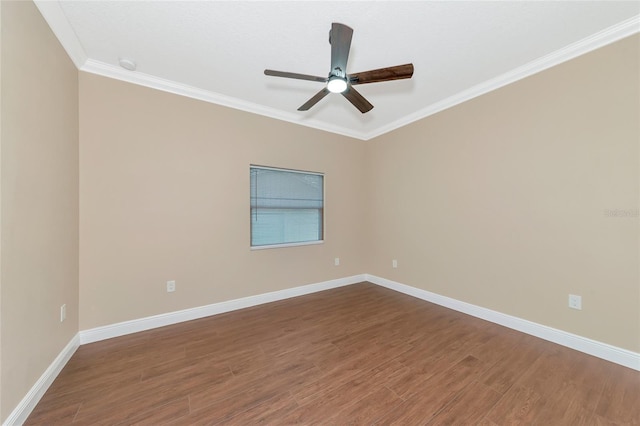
(164, 195)
(39, 188)
(501, 201)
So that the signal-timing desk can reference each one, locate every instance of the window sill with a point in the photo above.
(273, 246)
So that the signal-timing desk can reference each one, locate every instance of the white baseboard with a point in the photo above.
(592, 347)
(19, 415)
(598, 349)
(142, 324)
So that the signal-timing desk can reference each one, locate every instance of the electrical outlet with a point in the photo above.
(575, 302)
(336, 261)
(171, 286)
(63, 312)
(394, 263)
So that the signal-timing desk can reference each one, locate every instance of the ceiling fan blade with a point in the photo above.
(340, 39)
(383, 74)
(357, 99)
(294, 75)
(314, 100)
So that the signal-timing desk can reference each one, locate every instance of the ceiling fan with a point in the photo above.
(338, 80)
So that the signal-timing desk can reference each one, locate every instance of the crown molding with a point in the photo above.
(53, 14)
(57, 20)
(600, 39)
(141, 79)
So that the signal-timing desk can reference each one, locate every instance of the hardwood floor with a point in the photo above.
(359, 354)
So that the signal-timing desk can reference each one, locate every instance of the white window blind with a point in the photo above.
(287, 206)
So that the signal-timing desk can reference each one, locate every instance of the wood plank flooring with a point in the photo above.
(360, 354)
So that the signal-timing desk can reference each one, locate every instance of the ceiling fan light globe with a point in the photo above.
(337, 85)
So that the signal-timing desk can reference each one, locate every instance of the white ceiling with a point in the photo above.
(217, 50)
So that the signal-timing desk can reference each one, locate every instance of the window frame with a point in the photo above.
(322, 210)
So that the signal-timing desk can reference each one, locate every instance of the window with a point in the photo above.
(287, 207)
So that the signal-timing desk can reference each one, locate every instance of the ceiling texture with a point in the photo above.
(217, 51)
